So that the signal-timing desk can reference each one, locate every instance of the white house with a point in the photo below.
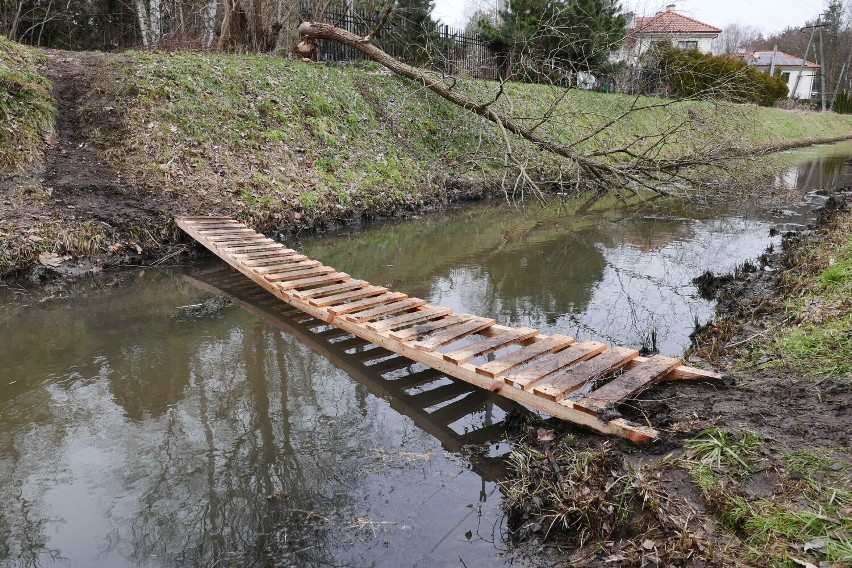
(668, 26)
(800, 80)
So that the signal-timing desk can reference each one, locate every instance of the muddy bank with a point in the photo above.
(752, 471)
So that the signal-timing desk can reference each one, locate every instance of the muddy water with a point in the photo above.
(176, 417)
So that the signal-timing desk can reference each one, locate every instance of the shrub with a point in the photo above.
(690, 73)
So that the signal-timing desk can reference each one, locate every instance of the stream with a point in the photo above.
(177, 416)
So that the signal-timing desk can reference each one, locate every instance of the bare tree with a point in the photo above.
(736, 37)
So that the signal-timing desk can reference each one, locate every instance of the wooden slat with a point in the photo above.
(293, 284)
(627, 385)
(298, 274)
(288, 266)
(424, 328)
(259, 255)
(242, 249)
(365, 303)
(214, 227)
(506, 363)
(348, 296)
(226, 232)
(322, 291)
(194, 219)
(490, 345)
(261, 263)
(256, 238)
(387, 309)
(452, 333)
(427, 313)
(562, 384)
(531, 375)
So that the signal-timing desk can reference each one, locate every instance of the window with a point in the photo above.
(688, 44)
(786, 77)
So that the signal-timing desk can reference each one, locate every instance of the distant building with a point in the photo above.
(668, 26)
(791, 70)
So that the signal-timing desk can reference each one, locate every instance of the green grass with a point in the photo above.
(821, 290)
(27, 111)
(773, 530)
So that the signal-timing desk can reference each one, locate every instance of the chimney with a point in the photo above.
(671, 7)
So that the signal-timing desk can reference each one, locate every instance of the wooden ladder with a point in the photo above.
(581, 382)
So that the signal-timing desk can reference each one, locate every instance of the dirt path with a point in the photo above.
(77, 168)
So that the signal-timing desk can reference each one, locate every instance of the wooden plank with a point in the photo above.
(627, 385)
(564, 383)
(490, 345)
(288, 266)
(256, 238)
(531, 375)
(297, 274)
(253, 248)
(317, 292)
(344, 297)
(452, 333)
(387, 309)
(365, 303)
(213, 227)
(424, 328)
(255, 264)
(427, 313)
(248, 243)
(223, 232)
(293, 284)
(506, 363)
(258, 255)
(289, 261)
(192, 219)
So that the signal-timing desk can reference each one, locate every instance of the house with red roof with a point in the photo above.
(798, 73)
(668, 26)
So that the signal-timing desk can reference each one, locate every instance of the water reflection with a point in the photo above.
(201, 426)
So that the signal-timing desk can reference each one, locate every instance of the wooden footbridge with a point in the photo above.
(581, 382)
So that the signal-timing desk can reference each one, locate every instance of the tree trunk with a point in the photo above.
(209, 24)
(156, 19)
(144, 22)
(226, 25)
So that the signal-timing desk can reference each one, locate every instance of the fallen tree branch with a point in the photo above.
(648, 173)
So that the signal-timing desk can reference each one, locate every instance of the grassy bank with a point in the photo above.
(27, 111)
(288, 145)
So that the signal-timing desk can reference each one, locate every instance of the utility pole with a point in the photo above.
(822, 68)
(805, 58)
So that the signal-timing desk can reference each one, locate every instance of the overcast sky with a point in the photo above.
(767, 15)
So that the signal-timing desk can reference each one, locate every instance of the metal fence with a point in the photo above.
(445, 49)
